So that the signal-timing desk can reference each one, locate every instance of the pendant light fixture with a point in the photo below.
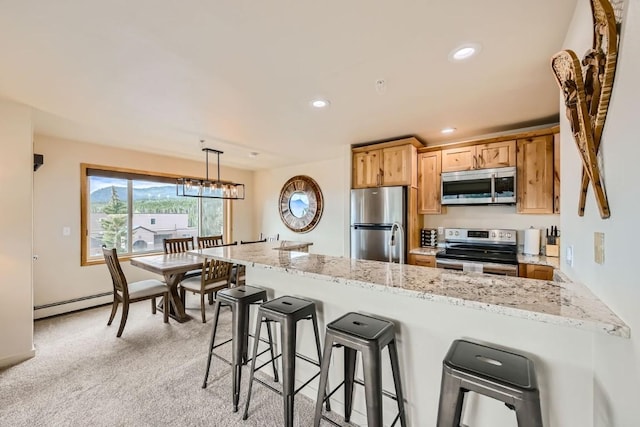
(211, 189)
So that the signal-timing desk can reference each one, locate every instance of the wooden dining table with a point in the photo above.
(173, 267)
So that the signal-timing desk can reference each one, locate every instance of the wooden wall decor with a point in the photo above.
(586, 96)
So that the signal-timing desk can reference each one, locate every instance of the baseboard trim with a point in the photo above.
(17, 358)
(62, 307)
(69, 301)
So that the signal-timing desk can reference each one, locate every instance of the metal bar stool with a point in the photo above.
(505, 376)
(286, 311)
(239, 299)
(369, 335)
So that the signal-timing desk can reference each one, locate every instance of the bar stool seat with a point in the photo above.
(239, 299)
(287, 311)
(502, 375)
(369, 335)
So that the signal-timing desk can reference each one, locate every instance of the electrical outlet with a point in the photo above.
(440, 231)
(598, 247)
(569, 256)
(66, 231)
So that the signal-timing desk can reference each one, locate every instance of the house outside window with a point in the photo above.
(134, 211)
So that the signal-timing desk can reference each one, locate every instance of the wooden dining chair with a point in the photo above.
(126, 293)
(235, 277)
(209, 241)
(177, 245)
(216, 275)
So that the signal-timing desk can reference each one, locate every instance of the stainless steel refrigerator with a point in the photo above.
(373, 212)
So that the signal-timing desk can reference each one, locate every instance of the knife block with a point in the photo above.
(553, 250)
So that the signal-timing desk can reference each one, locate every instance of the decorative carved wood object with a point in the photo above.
(587, 97)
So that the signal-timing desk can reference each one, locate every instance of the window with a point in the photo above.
(134, 211)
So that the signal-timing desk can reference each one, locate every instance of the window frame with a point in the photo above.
(85, 260)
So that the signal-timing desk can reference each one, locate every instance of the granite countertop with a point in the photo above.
(557, 302)
(425, 251)
(290, 245)
(539, 260)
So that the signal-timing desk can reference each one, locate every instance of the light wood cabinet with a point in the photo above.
(397, 162)
(480, 156)
(366, 168)
(385, 164)
(422, 260)
(459, 159)
(429, 185)
(535, 175)
(496, 154)
(534, 271)
(556, 173)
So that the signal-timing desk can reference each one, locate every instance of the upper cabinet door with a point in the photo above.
(429, 168)
(556, 173)
(396, 168)
(535, 175)
(496, 155)
(366, 169)
(459, 159)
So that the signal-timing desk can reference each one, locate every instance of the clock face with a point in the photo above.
(300, 204)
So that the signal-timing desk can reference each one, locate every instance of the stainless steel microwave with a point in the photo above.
(479, 187)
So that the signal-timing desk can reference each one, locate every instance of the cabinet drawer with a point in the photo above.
(422, 260)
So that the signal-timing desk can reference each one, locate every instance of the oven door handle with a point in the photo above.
(507, 270)
(446, 262)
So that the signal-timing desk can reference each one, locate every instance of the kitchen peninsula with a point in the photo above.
(552, 322)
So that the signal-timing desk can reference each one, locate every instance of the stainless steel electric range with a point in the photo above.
(483, 250)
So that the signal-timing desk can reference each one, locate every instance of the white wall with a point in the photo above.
(330, 236)
(58, 275)
(617, 362)
(16, 193)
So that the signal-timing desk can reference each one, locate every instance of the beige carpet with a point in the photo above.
(83, 375)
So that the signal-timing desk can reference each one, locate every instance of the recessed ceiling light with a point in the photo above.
(448, 130)
(320, 103)
(463, 52)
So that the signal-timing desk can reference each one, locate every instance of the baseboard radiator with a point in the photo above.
(60, 307)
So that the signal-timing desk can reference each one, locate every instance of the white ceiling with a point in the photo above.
(159, 75)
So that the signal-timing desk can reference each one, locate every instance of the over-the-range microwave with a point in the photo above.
(479, 187)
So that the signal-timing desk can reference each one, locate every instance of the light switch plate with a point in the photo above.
(66, 231)
(598, 247)
(569, 256)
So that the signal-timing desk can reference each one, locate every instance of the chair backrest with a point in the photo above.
(214, 270)
(272, 238)
(117, 276)
(181, 244)
(209, 241)
(246, 242)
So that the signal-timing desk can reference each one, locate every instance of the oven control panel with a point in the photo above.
(503, 236)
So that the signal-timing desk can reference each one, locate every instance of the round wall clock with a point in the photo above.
(300, 203)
